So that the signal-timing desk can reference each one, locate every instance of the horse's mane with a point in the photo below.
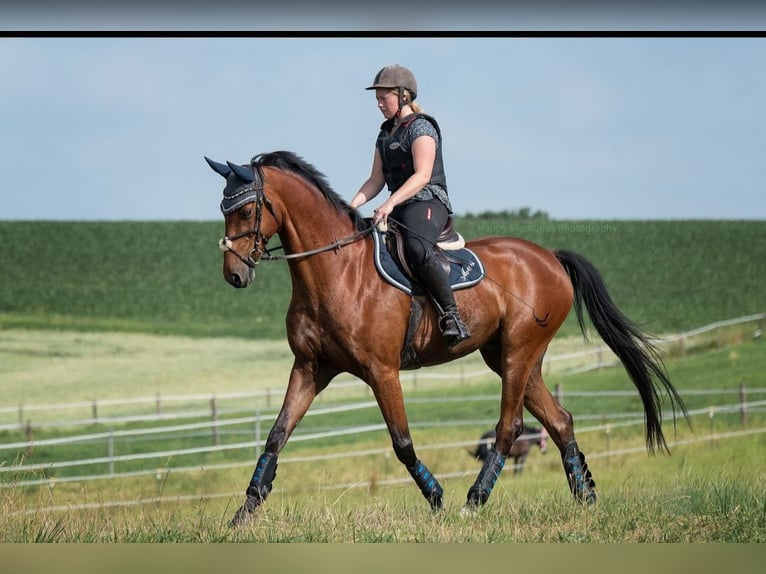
(288, 161)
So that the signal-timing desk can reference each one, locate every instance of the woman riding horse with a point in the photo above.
(408, 160)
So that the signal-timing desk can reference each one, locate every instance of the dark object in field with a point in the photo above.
(520, 448)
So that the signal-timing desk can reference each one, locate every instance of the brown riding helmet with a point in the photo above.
(395, 76)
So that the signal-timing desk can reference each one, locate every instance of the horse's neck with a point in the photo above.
(310, 223)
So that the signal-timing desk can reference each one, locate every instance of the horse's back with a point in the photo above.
(503, 250)
(525, 274)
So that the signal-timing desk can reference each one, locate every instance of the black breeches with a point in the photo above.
(421, 223)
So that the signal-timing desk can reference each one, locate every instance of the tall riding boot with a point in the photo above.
(436, 283)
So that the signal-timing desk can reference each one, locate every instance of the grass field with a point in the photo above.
(165, 277)
(709, 489)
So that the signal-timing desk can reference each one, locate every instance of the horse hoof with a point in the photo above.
(245, 513)
(242, 517)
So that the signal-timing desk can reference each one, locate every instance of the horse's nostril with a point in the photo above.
(236, 280)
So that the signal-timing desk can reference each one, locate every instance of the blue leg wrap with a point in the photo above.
(580, 481)
(479, 493)
(427, 483)
(259, 488)
(265, 471)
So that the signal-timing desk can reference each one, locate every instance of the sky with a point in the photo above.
(116, 128)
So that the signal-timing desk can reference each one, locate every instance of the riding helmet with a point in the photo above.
(395, 76)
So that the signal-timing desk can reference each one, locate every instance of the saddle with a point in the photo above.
(462, 265)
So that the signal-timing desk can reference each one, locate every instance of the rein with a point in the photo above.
(266, 255)
(258, 252)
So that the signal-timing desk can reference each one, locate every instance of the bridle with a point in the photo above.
(254, 193)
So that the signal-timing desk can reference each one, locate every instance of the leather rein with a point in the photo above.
(259, 252)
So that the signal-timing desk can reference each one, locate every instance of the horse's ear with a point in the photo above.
(242, 172)
(219, 168)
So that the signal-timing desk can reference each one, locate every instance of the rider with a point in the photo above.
(408, 160)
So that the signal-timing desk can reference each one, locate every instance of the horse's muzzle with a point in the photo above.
(239, 276)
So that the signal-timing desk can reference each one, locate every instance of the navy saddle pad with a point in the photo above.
(466, 270)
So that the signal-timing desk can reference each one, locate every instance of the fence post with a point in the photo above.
(557, 393)
(159, 405)
(95, 410)
(214, 417)
(110, 451)
(742, 405)
(28, 430)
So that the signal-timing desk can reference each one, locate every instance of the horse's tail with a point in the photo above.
(639, 357)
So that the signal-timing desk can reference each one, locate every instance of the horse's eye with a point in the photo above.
(247, 212)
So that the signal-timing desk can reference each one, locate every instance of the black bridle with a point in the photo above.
(259, 251)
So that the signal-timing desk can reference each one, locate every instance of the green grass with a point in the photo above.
(165, 277)
(707, 500)
(709, 490)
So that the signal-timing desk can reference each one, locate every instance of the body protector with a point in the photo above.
(398, 164)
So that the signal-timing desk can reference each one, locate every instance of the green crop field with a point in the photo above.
(165, 277)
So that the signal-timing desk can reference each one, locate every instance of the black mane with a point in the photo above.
(288, 161)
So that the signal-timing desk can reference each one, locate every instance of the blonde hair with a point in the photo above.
(416, 107)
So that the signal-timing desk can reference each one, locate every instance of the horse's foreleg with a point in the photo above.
(560, 426)
(301, 391)
(388, 394)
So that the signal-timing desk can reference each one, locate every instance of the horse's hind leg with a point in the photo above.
(514, 371)
(560, 426)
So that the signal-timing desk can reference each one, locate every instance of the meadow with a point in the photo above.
(349, 488)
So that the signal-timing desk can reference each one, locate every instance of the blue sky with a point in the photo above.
(106, 128)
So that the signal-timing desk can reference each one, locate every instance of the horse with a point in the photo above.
(343, 318)
(520, 448)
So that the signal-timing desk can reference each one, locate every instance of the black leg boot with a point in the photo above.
(437, 285)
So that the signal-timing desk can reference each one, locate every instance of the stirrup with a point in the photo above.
(452, 328)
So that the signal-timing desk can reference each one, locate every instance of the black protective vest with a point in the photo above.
(398, 165)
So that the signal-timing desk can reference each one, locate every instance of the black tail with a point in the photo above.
(632, 347)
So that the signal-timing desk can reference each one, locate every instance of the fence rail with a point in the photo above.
(597, 357)
(217, 423)
(629, 419)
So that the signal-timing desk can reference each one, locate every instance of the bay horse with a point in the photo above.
(343, 318)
